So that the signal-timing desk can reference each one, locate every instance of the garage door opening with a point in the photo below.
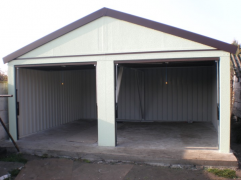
(57, 96)
(167, 104)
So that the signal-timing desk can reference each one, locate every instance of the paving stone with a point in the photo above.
(51, 168)
(83, 171)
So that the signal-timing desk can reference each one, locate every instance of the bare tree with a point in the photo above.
(235, 42)
(3, 77)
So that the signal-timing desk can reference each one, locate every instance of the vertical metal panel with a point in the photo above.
(187, 96)
(195, 92)
(160, 94)
(209, 96)
(45, 103)
(129, 102)
(179, 94)
(147, 95)
(174, 94)
(205, 94)
(215, 98)
(164, 95)
(199, 94)
(169, 94)
(190, 94)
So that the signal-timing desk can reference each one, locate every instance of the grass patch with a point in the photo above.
(45, 156)
(86, 160)
(14, 172)
(14, 158)
(226, 173)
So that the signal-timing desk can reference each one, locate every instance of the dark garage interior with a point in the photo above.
(167, 104)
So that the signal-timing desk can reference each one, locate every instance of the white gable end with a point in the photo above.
(110, 35)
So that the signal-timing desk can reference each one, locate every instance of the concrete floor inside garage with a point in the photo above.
(168, 143)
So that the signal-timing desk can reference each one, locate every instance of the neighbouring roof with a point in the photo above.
(125, 17)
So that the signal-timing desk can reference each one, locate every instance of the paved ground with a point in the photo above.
(62, 169)
(172, 143)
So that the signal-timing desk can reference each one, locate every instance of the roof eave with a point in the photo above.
(126, 17)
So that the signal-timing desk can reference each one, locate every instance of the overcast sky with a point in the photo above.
(24, 21)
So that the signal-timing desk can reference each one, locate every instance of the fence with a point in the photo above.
(3, 109)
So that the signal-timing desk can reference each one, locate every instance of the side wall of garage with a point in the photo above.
(44, 102)
(189, 95)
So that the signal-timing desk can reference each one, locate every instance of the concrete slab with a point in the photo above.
(170, 143)
(87, 136)
(60, 169)
(180, 135)
(102, 171)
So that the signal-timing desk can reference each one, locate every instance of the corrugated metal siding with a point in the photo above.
(45, 103)
(129, 101)
(188, 96)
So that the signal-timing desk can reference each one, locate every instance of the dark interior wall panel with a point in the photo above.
(184, 85)
(214, 82)
(45, 103)
(129, 105)
(195, 91)
(190, 94)
(179, 92)
(187, 96)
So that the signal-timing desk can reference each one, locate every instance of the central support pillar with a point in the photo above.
(106, 103)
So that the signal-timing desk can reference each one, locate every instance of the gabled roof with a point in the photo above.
(126, 17)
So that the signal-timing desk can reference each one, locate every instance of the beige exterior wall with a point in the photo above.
(105, 88)
(108, 35)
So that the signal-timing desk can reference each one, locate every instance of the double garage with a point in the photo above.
(132, 78)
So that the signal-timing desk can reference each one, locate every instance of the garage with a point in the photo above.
(128, 74)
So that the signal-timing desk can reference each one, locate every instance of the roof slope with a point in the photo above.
(125, 17)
